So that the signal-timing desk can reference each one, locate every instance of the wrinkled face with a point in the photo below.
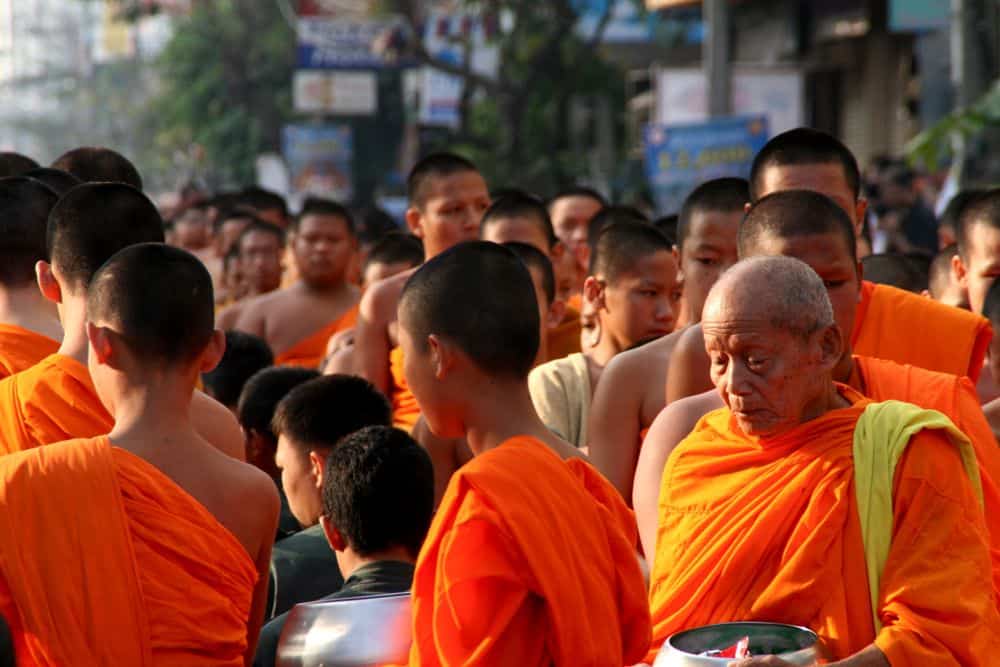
(643, 302)
(709, 249)
(193, 229)
(981, 262)
(825, 178)
(827, 255)
(521, 229)
(298, 482)
(767, 375)
(323, 247)
(260, 261)
(570, 217)
(453, 206)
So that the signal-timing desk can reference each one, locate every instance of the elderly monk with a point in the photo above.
(812, 228)
(29, 325)
(802, 502)
(631, 392)
(530, 557)
(447, 197)
(145, 546)
(298, 321)
(951, 340)
(55, 400)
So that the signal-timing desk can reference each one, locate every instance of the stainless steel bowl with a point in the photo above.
(799, 646)
(347, 633)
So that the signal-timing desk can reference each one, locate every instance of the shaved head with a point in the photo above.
(794, 213)
(790, 293)
(619, 246)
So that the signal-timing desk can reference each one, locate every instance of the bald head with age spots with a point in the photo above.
(773, 342)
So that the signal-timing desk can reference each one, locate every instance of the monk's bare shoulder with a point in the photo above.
(228, 316)
(381, 299)
(252, 313)
(688, 372)
(992, 412)
(216, 424)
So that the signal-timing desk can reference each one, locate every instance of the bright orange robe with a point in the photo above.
(769, 530)
(405, 411)
(22, 348)
(910, 329)
(956, 398)
(564, 340)
(54, 400)
(309, 351)
(523, 572)
(104, 560)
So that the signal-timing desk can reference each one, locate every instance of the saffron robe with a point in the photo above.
(309, 351)
(22, 348)
(405, 411)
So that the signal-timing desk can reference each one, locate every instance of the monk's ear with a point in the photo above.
(47, 283)
(860, 209)
(831, 346)
(443, 356)
(593, 291)
(213, 352)
(958, 272)
(557, 311)
(317, 466)
(102, 344)
(333, 536)
(414, 221)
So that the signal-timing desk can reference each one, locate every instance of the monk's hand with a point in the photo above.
(763, 661)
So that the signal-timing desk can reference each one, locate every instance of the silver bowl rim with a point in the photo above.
(670, 640)
(363, 598)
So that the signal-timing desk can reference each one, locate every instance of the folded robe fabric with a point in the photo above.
(405, 411)
(521, 573)
(309, 351)
(564, 339)
(907, 328)
(769, 530)
(21, 349)
(106, 561)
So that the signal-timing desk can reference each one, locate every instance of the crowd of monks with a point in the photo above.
(570, 432)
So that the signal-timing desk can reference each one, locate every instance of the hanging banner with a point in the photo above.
(320, 160)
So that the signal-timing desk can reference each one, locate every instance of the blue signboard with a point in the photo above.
(678, 158)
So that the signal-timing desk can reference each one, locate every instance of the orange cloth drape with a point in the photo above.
(107, 561)
(769, 530)
(909, 329)
(405, 411)
(309, 351)
(564, 339)
(529, 561)
(21, 349)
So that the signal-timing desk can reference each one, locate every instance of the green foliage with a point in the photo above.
(931, 147)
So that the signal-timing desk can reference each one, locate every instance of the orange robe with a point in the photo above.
(309, 351)
(956, 398)
(54, 400)
(910, 329)
(521, 573)
(564, 339)
(22, 348)
(106, 561)
(405, 411)
(769, 530)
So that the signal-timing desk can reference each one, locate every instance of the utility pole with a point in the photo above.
(715, 56)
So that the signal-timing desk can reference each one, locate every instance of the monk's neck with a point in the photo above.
(73, 315)
(844, 372)
(25, 307)
(324, 290)
(499, 412)
(152, 410)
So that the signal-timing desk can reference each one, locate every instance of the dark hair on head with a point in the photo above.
(92, 222)
(234, 213)
(578, 191)
(610, 215)
(15, 164)
(158, 298)
(803, 146)
(378, 491)
(262, 393)
(317, 207)
(953, 211)
(435, 165)
(59, 181)
(619, 246)
(396, 248)
(991, 305)
(534, 258)
(374, 224)
(260, 199)
(725, 195)
(667, 225)
(245, 355)
(939, 275)
(24, 211)
(982, 209)
(900, 271)
(502, 338)
(521, 205)
(258, 226)
(93, 164)
(899, 174)
(318, 413)
(794, 213)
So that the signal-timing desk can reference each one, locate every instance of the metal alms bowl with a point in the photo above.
(347, 633)
(799, 646)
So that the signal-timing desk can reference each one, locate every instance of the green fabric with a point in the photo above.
(303, 568)
(881, 437)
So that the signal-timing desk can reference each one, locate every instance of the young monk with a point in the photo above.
(978, 233)
(92, 164)
(259, 250)
(631, 392)
(169, 538)
(942, 285)
(571, 211)
(245, 355)
(55, 400)
(298, 321)
(860, 521)
(378, 499)
(29, 325)
(193, 231)
(951, 341)
(811, 228)
(636, 294)
(530, 556)
(543, 277)
(447, 197)
(991, 310)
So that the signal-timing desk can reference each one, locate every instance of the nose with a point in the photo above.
(737, 378)
(665, 314)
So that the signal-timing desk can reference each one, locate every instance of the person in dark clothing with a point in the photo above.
(377, 503)
(911, 225)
